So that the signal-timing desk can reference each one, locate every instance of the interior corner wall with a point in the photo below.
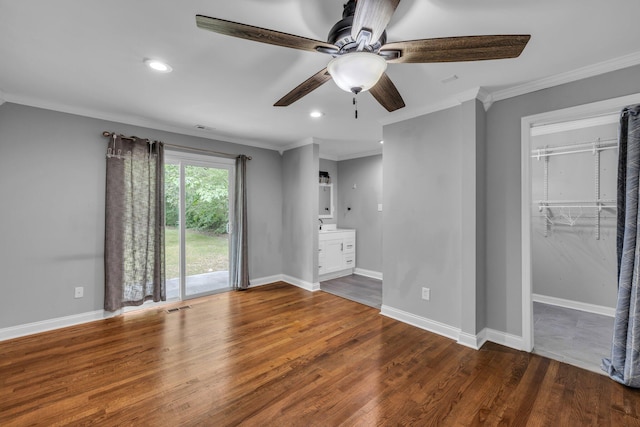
(365, 173)
(472, 128)
(503, 183)
(422, 213)
(300, 213)
(481, 216)
(331, 166)
(52, 190)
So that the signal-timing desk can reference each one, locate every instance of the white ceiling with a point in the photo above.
(86, 57)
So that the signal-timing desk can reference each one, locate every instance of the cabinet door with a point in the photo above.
(332, 255)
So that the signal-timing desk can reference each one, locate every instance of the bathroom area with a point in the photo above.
(350, 228)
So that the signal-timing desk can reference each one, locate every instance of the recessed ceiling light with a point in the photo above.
(158, 66)
(316, 114)
(381, 141)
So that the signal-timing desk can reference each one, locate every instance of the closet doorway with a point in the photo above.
(569, 262)
(198, 204)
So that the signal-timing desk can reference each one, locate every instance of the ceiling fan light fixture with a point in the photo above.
(358, 71)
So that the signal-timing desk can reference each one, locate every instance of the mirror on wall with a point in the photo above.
(325, 201)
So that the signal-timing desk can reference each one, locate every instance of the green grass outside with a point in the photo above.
(205, 252)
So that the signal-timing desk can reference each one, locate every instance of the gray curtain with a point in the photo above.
(624, 365)
(239, 247)
(134, 223)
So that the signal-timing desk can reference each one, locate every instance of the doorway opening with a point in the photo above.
(198, 208)
(569, 168)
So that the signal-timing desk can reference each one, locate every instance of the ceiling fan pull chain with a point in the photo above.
(355, 103)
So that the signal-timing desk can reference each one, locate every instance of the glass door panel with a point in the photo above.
(206, 226)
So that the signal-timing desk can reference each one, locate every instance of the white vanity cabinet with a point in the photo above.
(336, 253)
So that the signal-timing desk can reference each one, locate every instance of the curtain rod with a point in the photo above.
(201, 150)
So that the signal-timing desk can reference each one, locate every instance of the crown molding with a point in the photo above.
(360, 155)
(568, 77)
(400, 116)
(301, 143)
(454, 101)
(129, 120)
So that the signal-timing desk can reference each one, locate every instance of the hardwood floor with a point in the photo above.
(278, 355)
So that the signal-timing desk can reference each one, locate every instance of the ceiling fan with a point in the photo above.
(358, 43)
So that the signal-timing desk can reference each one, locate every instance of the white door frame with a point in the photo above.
(586, 111)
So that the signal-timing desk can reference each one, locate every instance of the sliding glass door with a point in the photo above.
(198, 203)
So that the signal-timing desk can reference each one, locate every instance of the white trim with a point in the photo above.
(361, 154)
(525, 209)
(471, 341)
(503, 338)
(308, 286)
(172, 155)
(336, 274)
(400, 115)
(574, 124)
(421, 322)
(132, 120)
(51, 324)
(595, 109)
(261, 281)
(575, 305)
(306, 141)
(368, 273)
(450, 102)
(568, 77)
(462, 338)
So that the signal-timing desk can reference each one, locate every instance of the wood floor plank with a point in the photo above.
(278, 355)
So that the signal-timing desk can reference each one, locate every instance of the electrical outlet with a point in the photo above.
(426, 294)
(79, 292)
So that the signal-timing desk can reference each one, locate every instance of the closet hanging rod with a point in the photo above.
(599, 206)
(551, 202)
(540, 153)
(603, 142)
(182, 147)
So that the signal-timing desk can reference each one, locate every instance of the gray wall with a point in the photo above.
(473, 302)
(300, 212)
(422, 213)
(52, 187)
(503, 221)
(570, 263)
(366, 174)
(331, 166)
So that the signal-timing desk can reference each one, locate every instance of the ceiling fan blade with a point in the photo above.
(305, 88)
(386, 94)
(372, 15)
(457, 49)
(262, 35)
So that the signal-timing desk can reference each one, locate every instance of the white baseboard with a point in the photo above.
(335, 274)
(471, 341)
(308, 286)
(368, 273)
(260, 281)
(51, 324)
(468, 340)
(421, 322)
(575, 305)
(502, 338)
